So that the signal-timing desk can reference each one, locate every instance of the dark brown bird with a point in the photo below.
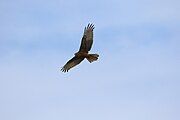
(85, 47)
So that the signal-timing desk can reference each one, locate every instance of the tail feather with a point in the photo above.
(92, 57)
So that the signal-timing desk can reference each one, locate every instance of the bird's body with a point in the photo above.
(81, 54)
(86, 44)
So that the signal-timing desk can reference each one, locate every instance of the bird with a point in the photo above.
(83, 53)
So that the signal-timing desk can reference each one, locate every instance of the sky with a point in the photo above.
(135, 78)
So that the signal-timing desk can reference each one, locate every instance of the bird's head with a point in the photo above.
(76, 54)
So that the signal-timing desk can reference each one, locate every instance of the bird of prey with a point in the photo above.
(85, 47)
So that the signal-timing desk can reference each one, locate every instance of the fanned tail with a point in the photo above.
(92, 57)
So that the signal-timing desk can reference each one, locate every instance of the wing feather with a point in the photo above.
(71, 63)
(87, 39)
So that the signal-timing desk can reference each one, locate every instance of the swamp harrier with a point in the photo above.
(85, 47)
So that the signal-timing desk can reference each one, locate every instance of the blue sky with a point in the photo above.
(136, 77)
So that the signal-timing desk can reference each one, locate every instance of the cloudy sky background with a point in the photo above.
(136, 78)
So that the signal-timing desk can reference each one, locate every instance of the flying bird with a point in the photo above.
(85, 47)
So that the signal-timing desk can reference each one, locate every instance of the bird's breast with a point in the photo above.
(81, 54)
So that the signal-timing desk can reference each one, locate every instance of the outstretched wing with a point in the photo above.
(71, 63)
(87, 39)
